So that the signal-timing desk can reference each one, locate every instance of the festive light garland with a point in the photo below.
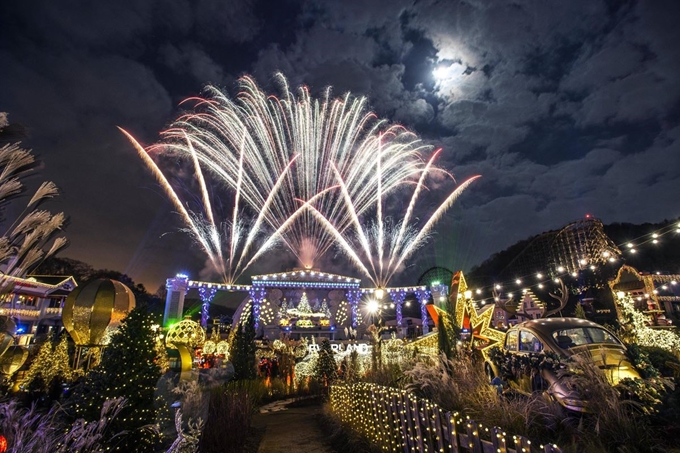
(395, 419)
(218, 286)
(644, 335)
(543, 279)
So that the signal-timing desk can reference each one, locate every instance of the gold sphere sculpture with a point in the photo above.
(209, 347)
(13, 359)
(222, 348)
(186, 332)
(7, 330)
(93, 308)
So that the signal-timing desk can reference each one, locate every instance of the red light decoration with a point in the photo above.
(3, 444)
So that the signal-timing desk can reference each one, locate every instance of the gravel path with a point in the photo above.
(292, 430)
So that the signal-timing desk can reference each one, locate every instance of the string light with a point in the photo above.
(399, 421)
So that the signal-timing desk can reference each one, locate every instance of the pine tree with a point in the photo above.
(326, 370)
(128, 369)
(303, 306)
(50, 368)
(243, 355)
(325, 309)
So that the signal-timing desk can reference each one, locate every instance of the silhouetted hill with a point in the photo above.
(663, 257)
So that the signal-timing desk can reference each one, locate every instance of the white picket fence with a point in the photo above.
(398, 421)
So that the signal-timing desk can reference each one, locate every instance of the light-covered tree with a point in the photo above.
(129, 369)
(326, 370)
(243, 349)
(51, 367)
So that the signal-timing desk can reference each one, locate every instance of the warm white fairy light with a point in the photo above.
(644, 335)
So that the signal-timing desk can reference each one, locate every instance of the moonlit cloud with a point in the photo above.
(565, 107)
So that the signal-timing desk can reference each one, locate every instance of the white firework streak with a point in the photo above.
(411, 246)
(411, 206)
(204, 229)
(268, 131)
(404, 241)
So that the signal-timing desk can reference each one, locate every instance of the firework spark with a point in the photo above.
(240, 238)
(303, 172)
(379, 247)
(249, 142)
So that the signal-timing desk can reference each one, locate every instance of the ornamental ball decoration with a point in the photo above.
(7, 330)
(186, 332)
(13, 359)
(92, 309)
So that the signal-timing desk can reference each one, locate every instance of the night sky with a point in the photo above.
(566, 108)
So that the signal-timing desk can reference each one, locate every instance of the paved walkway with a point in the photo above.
(290, 430)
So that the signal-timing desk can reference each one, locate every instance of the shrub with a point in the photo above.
(618, 418)
(230, 412)
(666, 362)
(28, 430)
(458, 385)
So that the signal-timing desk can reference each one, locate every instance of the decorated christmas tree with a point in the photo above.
(303, 306)
(326, 370)
(129, 369)
(50, 368)
(243, 349)
(579, 312)
(325, 310)
(283, 310)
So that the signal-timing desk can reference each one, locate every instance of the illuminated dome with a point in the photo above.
(185, 332)
(93, 308)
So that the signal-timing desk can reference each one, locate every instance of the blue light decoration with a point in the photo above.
(206, 293)
(398, 295)
(306, 279)
(353, 298)
(257, 294)
(423, 297)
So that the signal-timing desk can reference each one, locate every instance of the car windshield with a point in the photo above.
(578, 336)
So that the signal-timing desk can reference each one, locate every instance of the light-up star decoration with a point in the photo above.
(467, 317)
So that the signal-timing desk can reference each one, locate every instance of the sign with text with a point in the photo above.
(360, 348)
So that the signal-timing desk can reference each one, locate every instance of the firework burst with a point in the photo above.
(379, 247)
(278, 153)
(303, 172)
(231, 246)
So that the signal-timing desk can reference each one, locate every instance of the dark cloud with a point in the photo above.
(566, 108)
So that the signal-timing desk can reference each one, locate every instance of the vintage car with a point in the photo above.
(564, 337)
